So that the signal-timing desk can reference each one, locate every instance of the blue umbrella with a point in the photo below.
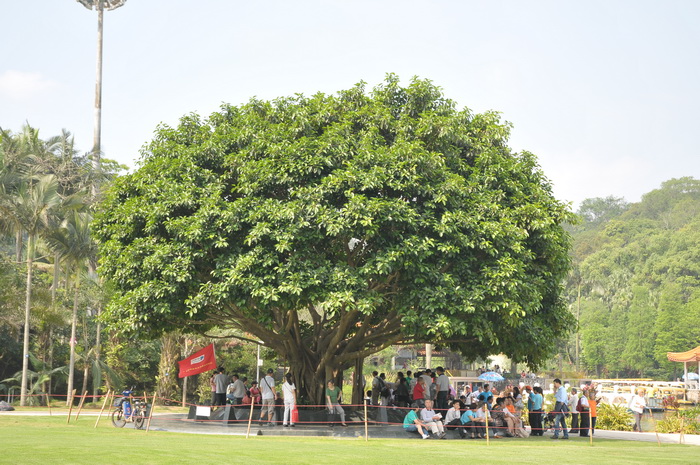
(691, 375)
(491, 376)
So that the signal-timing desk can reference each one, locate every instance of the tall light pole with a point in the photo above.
(100, 6)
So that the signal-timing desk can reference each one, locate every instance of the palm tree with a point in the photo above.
(36, 378)
(31, 207)
(74, 245)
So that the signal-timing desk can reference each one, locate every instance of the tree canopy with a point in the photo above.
(636, 266)
(332, 226)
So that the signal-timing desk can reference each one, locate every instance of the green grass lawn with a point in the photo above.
(50, 441)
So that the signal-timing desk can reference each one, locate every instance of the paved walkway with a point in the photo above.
(180, 424)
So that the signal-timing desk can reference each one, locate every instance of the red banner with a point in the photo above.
(199, 362)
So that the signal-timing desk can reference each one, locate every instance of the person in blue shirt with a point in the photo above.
(411, 423)
(467, 420)
(534, 406)
(560, 408)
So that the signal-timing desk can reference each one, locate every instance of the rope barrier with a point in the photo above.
(358, 410)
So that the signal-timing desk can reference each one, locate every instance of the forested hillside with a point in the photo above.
(635, 282)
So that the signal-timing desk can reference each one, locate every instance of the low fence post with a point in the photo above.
(366, 429)
(486, 418)
(250, 417)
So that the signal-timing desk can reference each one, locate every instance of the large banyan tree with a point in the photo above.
(332, 226)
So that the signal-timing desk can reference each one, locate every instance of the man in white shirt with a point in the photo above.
(432, 420)
(573, 403)
(474, 398)
(267, 387)
(236, 390)
(637, 404)
(452, 419)
(443, 389)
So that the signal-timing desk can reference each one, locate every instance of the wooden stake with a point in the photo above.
(486, 418)
(104, 404)
(250, 418)
(80, 406)
(48, 404)
(150, 412)
(70, 403)
(366, 429)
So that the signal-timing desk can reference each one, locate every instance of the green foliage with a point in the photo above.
(685, 421)
(636, 267)
(333, 226)
(614, 417)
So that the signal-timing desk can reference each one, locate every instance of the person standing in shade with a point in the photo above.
(637, 404)
(377, 386)
(333, 397)
(536, 412)
(221, 382)
(267, 387)
(443, 390)
(212, 385)
(573, 408)
(419, 393)
(289, 394)
(560, 408)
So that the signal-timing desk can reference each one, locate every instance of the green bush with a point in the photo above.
(614, 417)
(686, 421)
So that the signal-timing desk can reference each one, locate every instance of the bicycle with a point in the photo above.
(129, 409)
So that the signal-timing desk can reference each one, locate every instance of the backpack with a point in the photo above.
(579, 407)
(383, 389)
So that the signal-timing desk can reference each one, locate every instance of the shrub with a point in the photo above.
(681, 420)
(614, 417)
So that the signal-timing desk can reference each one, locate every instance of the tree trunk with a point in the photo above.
(27, 309)
(73, 341)
(98, 341)
(578, 331)
(18, 246)
(358, 388)
(166, 381)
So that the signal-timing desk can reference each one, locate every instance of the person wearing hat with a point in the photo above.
(267, 387)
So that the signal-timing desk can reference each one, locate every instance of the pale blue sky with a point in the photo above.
(605, 93)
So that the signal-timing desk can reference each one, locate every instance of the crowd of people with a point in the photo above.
(234, 390)
(433, 406)
(472, 413)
